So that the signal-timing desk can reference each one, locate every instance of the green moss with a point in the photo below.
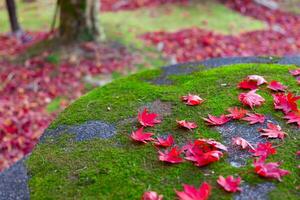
(117, 168)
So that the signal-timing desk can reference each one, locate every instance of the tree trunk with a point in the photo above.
(79, 20)
(13, 19)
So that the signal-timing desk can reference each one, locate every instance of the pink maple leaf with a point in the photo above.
(285, 102)
(251, 99)
(192, 100)
(151, 195)
(168, 142)
(140, 136)
(295, 72)
(263, 149)
(259, 79)
(236, 113)
(204, 159)
(229, 183)
(192, 193)
(148, 119)
(172, 156)
(269, 170)
(242, 142)
(255, 118)
(216, 121)
(273, 131)
(186, 124)
(293, 117)
(277, 86)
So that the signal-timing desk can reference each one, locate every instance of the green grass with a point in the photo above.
(117, 168)
(126, 25)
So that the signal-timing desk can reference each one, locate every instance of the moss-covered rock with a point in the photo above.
(62, 167)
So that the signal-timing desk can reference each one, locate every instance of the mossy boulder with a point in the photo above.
(104, 163)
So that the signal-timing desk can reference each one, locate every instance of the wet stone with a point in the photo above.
(258, 192)
(237, 157)
(83, 132)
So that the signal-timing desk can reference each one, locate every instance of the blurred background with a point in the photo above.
(54, 51)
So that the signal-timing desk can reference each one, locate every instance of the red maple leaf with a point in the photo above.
(273, 131)
(213, 143)
(251, 99)
(269, 170)
(263, 149)
(172, 156)
(151, 195)
(277, 86)
(186, 124)
(286, 103)
(295, 72)
(140, 136)
(192, 100)
(293, 117)
(236, 113)
(229, 183)
(255, 118)
(204, 159)
(242, 142)
(168, 142)
(192, 193)
(148, 119)
(259, 79)
(216, 121)
(247, 84)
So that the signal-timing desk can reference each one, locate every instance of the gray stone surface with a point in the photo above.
(237, 157)
(82, 132)
(13, 183)
(258, 192)
(187, 68)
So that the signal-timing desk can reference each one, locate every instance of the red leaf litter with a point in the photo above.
(192, 100)
(115, 5)
(263, 149)
(26, 90)
(281, 38)
(171, 156)
(168, 142)
(186, 124)
(148, 119)
(216, 121)
(254, 118)
(277, 86)
(141, 136)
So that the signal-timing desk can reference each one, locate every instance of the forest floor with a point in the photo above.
(35, 87)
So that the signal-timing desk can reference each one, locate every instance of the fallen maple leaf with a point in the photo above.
(216, 121)
(204, 159)
(293, 117)
(273, 131)
(295, 72)
(277, 86)
(259, 79)
(168, 142)
(255, 118)
(251, 99)
(186, 124)
(230, 184)
(172, 156)
(151, 195)
(214, 143)
(242, 142)
(192, 100)
(286, 103)
(247, 84)
(148, 119)
(140, 136)
(263, 149)
(236, 113)
(269, 170)
(192, 193)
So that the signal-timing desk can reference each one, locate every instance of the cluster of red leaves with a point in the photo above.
(15, 45)
(282, 37)
(115, 5)
(27, 89)
(202, 152)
